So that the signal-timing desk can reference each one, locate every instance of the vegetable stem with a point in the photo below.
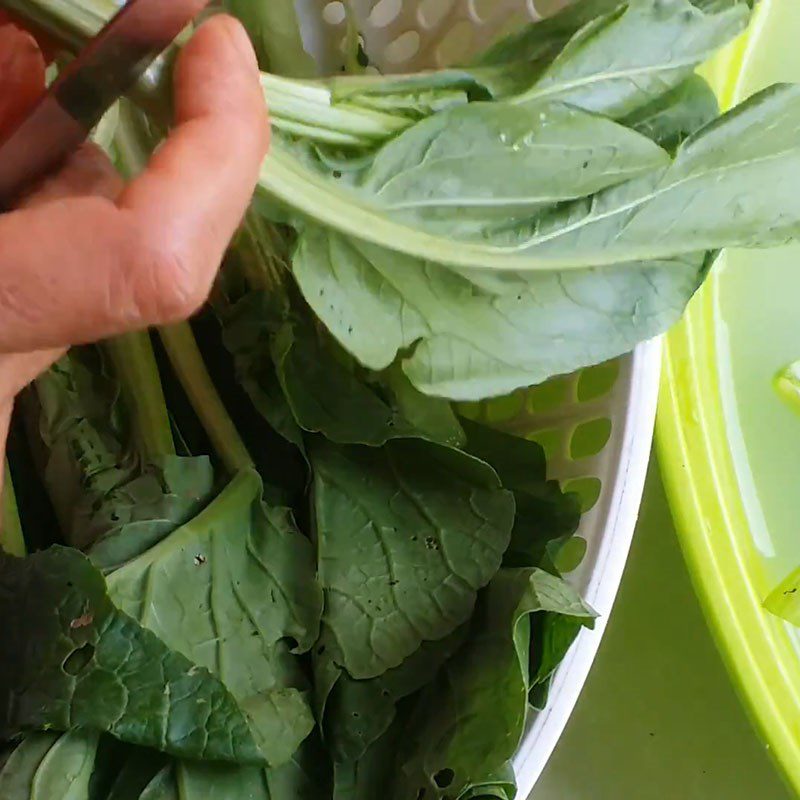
(187, 361)
(11, 538)
(137, 372)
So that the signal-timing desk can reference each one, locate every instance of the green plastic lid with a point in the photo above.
(729, 445)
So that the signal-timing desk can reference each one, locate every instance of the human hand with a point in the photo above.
(84, 256)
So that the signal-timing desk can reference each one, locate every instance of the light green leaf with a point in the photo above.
(470, 720)
(484, 334)
(229, 590)
(325, 393)
(162, 787)
(624, 60)
(21, 767)
(72, 660)
(731, 185)
(466, 168)
(406, 536)
(544, 514)
(66, 770)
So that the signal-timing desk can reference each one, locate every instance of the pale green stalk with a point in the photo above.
(187, 361)
(137, 372)
(133, 148)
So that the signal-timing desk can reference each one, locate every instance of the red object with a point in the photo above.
(22, 69)
(38, 135)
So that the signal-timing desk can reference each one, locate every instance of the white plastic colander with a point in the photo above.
(596, 426)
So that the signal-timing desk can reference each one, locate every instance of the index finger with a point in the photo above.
(78, 269)
(198, 185)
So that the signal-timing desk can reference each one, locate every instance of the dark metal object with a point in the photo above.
(104, 71)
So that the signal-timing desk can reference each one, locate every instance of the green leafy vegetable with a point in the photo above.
(674, 116)
(426, 526)
(72, 660)
(229, 590)
(470, 720)
(380, 621)
(511, 162)
(622, 61)
(114, 497)
(475, 335)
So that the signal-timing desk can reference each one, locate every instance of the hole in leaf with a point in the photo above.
(444, 777)
(78, 659)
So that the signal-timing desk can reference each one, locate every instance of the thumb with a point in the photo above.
(22, 76)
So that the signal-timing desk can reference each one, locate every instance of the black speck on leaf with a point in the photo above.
(337, 173)
(790, 591)
(199, 560)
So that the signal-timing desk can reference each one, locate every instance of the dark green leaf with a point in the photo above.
(354, 714)
(20, 769)
(230, 590)
(139, 769)
(305, 777)
(72, 660)
(544, 514)
(162, 787)
(108, 501)
(542, 40)
(406, 536)
(470, 720)
(325, 393)
(248, 327)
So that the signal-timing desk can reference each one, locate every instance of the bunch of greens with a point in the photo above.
(286, 566)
